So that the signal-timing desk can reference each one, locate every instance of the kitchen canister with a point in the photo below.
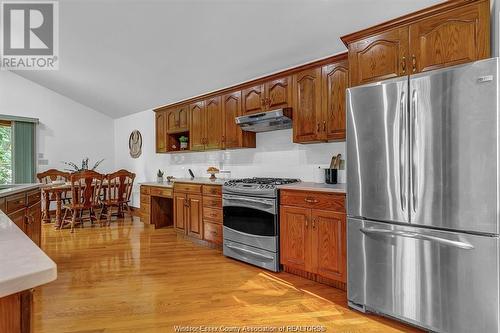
(331, 176)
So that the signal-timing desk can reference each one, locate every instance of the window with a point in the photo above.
(5, 152)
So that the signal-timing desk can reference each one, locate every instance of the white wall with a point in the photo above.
(68, 131)
(275, 155)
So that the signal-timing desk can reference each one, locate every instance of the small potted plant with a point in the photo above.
(159, 176)
(184, 142)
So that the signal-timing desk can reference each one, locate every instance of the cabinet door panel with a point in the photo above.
(231, 108)
(19, 219)
(180, 211)
(33, 223)
(172, 120)
(183, 117)
(295, 237)
(161, 131)
(307, 105)
(329, 243)
(213, 123)
(451, 38)
(197, 127)
(278, 93)
(379, 57)
(195, 213)
(335, 83)
(253, 99)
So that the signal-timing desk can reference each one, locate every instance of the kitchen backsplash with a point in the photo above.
(275, 156)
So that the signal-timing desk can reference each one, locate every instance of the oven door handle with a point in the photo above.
(253, 253)
(265, 205)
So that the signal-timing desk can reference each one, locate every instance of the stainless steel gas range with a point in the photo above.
(251, 220)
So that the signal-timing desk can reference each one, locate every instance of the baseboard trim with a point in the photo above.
(316, 278)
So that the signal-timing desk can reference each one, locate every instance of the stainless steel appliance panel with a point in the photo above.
(377, 151)
(269, 243)
(253, 255)
(454, 148)
(444, 281)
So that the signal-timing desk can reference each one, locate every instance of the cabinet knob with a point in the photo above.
(403, 65)
(324, 126)
(414, 63)
(310, 200)
(317, 129)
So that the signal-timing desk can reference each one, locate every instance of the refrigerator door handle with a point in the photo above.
(414, 235)
(414, 149)
(403, 124)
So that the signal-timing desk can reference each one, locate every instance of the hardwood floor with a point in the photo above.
(132, 278)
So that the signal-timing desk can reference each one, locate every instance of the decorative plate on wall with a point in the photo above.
(135, 144)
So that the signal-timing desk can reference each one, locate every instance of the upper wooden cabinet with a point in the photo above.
(450, 33)
(319, 102)
(233, 136)
(197, 126)
(379, 57)
(177, 119)
(451, 38)
(306, 105)
(335, 80)
(160, 131)
(274, 94)
(206, 130)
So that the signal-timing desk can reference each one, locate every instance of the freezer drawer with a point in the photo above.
(443, 281)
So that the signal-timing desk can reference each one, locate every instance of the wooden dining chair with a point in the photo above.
(48, 177)
(86, 188)
(117, 191)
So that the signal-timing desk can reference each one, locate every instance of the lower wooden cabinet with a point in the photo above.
(16, 312)
(188, 214)
(313, 240)
(25, 210)
(198, 211)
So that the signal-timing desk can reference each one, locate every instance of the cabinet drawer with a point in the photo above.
(144, 189)
(215, 202)
(327, 201)
(15, 202)
(212, 232)
(161, 192)
(145, 199)
(212, 190)
(34, 197)
(190, 188)
(212, 214)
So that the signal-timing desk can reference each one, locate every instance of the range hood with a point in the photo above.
(266, 121)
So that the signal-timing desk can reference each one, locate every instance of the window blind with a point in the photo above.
(24, 167)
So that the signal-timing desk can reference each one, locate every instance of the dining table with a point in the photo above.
(56, 190)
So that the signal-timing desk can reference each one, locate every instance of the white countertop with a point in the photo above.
(197, 180)
(317, 187)
(16, 188)
(23, 265)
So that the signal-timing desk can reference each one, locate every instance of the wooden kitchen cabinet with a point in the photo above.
(271, 95)
(206, 131)
(213, 122)
(177, 119)
(451, 38)
(306, 105)
(33, 226)
(197, 126)
(180, 203)
(335, 81)
(25, 210)
(16, 312)
(194, 211)
(295, 237)
(233, 136)
(447, 34)
(313, 235)
(379, 57)
(161, 131)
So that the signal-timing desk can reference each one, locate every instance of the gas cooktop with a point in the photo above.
(263, 181)
(260, 187)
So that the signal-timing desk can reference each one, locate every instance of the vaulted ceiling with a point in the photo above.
(121, 57)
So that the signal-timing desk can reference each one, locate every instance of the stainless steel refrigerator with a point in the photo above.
(423, 198)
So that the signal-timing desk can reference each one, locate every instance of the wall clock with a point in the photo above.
(135, 144)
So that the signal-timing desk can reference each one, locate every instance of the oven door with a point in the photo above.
(250, 215)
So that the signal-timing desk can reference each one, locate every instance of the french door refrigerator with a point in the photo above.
(423, 198)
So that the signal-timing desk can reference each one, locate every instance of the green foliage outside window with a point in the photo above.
(5, 155)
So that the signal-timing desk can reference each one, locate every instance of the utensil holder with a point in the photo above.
(331, 176)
